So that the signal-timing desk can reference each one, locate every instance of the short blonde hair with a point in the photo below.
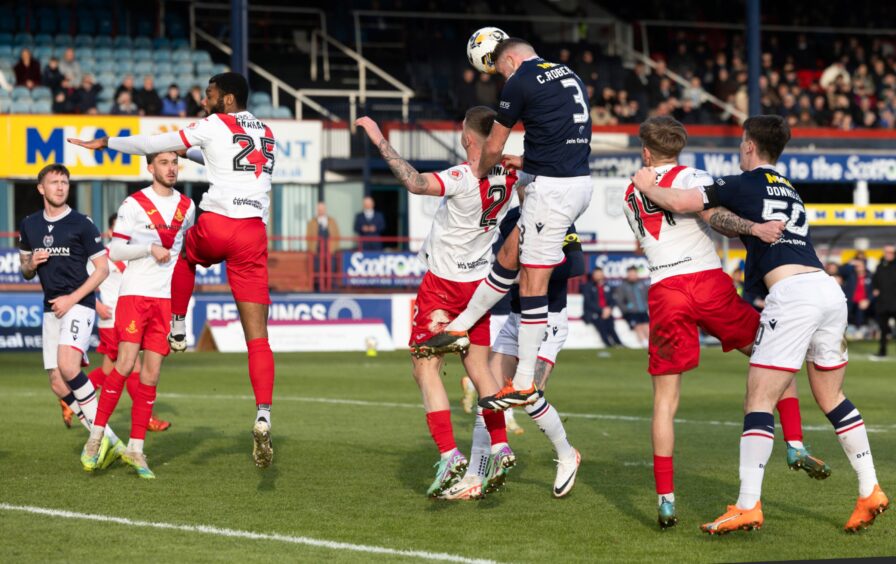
(664, 136)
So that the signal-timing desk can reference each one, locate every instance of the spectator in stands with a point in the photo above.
(682, 62)
(597, 299)
(636, 84)
(631, 298)
(194, 103)
(466, 94)
(586, 68)
(320, 230)
(173, 104)
(124, 105)
(52, 76)
(857, 287)
(147, 99)
(127, 84)
(87, 95)
(486, 91)
(70, 67)
(27, 70)
(369, 223)
(64, 98)
(884, 288)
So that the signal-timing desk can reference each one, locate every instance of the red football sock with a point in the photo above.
(183, 280)
(791, 421)
(112, 388)
(132, 382)
(663, 474)
(142, 410)
(440, 428)
(497, 428)
(261, 370)
(97, 377)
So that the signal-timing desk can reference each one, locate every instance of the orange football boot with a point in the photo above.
(157, 425)
(67, 414)
(736, 519)
(867, 508)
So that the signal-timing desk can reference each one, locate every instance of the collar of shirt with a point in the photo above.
(368, 214)
(58, 217)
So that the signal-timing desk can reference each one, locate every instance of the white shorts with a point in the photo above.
(507, 341)
(804, 320)
(72, 330)
(551, 206)
(496, 324)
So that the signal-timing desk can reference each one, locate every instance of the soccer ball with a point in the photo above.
(480, 47)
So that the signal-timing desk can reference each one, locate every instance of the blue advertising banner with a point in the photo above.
(615, 265)
(381, 269)
(215, 274)
(21, 317)
(10, 271)
(798, 167)
(292, 307)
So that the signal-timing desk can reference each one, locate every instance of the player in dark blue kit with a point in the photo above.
(57, 243)
(552, 103)
(804, 319)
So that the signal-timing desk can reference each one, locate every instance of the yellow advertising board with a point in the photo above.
(848, 215)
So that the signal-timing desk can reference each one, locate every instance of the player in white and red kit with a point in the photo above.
(108, 347)
(238, 152)
(149, 234)
(690, 291)
(456, 253)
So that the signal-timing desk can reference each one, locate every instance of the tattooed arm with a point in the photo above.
(425, 184)
(730, 224)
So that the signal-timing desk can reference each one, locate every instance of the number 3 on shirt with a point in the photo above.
(578, 98)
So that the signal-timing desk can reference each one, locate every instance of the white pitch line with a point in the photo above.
(366, 403)
(235, 533)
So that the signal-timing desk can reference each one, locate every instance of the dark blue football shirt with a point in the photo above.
(762, 195)
(552, 103)
(72, 240)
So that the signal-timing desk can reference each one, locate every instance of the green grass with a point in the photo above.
(358, 473)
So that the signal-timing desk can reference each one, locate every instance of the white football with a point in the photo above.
(480, 47)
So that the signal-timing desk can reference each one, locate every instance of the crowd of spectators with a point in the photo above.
(846, 83)
(76, 92)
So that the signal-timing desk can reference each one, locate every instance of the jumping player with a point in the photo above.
(57, 243)
(149, 234)
(456, 253)
(238, 151)
(689, 290)
(804, 319)
(552, 103)
(105, 310)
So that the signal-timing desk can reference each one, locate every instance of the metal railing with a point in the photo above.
(276, 84)
(402, 91)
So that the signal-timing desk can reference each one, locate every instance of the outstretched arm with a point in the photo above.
(136, 144)
(676, 201)
(730, 224)
(425, 184)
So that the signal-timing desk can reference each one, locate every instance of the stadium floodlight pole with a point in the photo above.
(753, 51)
(239, 36)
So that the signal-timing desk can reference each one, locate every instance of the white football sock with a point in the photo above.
(670, 497)
(533, 323)
(548, 420)
(795, 444)
(853, 437)
(178, 324)
(135, 445)
(756, 445)
(264, 412)
(487, 294)
(72, 404)
(83, 390)
(480, 449)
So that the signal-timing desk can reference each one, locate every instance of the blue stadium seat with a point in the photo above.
(181, 56)
(180, 43)
(205, 69)
(263, 112)
(143, 67)
(21, 93)
(42, 107)
(5, 38)
(106, 94)
(83, 41)
(219, 68)
(141, 54)
(164, 80)
(102, 53)
(105, 107)
(42, 53)
(108, 79)
(124, 66)
(282, 112)
(83, 53)
(123, 42)
(164, 67)
(23, 39)
(20, 107)
(260, 99)
(161, 43)
(41, 93)
(6, 51)
(43, 39)
(201, 56)
(63, 39)
(102, 41)
(142, 42)
(186, 81)
(161, 56)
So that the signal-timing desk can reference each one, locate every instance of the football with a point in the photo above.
(480, 47)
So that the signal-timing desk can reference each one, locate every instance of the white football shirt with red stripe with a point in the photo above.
(145, 218)
(674, 243)
(464, 228)
(239, 158)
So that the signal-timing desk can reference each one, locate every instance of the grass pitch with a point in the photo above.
(353, 460)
